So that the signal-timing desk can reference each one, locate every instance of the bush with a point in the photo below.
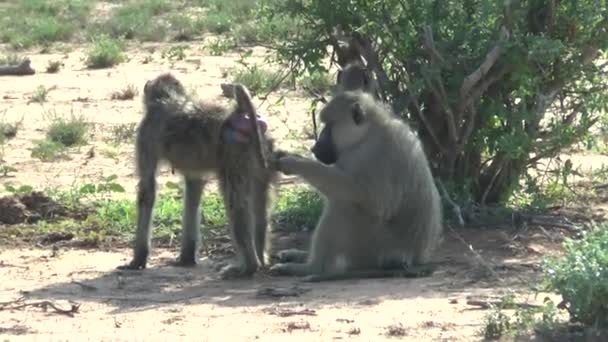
(105, 52)
(491, 87)
(581, 277)
(69, 131)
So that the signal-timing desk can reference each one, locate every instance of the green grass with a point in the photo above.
(40, 94)
(111, 217)
(257, 79)
(41, 22)
(67, 131)
(105, 52)
(219, 46)
(185, 27)
(47, 150)
(177, 52)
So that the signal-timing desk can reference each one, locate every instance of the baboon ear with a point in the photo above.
(358, 114)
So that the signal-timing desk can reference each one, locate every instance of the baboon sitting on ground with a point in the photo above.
(188, 134)
(382, 213)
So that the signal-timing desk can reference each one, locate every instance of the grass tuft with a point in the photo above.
(105, 52)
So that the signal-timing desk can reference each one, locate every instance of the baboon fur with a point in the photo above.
(187, 133)
(381, 210)
(356, 76)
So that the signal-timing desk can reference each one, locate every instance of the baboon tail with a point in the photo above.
(245, 106)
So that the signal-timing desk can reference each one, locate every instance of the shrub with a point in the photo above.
(105, 52)
(581, 277)
(492, 87)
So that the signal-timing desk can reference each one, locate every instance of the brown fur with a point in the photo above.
(187, 134)
(382, 209)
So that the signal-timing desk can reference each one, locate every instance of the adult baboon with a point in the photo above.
(188, 134)
(382, 214)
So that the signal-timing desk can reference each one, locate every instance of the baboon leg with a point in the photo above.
(146, 196)
(293, 255)
(259, 209)
(240, 220)
(191, 233)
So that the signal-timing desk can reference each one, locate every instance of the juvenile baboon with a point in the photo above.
(188, 134)
(356, 76)
(382, 214)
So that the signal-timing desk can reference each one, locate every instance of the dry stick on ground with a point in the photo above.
(489, 304)
(21, 69)
(45, 304)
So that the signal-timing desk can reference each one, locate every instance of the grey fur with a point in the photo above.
(187, 134)
(381, 210)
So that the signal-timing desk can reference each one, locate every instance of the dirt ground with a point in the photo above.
(168, 303)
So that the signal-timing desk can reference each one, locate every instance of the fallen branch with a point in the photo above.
(289, 312)
(20, 303)
(454, 205)
(21, 69)
(489, 304)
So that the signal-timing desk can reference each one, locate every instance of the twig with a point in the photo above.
(478, 256)
(45, 304)
(455, 206)
(289, 312)
(488, 304)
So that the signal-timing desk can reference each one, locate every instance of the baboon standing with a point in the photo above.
(382, 212)
(187, 134)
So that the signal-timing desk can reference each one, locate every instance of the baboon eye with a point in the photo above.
(358, 115)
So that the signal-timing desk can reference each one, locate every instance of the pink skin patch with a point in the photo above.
(240, 129)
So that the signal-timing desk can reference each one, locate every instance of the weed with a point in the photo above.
(396, 330)
(47, 150)
(8, 130)
(257, 79)
(105, 52)
(147, 60)
(53, 66)
(127, 93)
(40, 94)
(298, 209)
(177, 52)
(219, 46)
(122, 133)
(70, 131)
(110, 151)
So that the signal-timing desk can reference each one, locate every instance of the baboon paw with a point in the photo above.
(235, 272)
(279, 270)
(184, 262)
(133, 265)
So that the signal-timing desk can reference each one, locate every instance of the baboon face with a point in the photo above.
(345, 125)
(162, 87)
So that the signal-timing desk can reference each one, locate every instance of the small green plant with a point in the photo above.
(318, 82)
(105, 52)
(54, 66)
(47, 150)
(177, 52)
(40, 94)
(257, 79)
(8, 130)
(185, 26)
(127, 93)
(219, 46)
(217, 23)
(298, 209)
(581, 277)
(67, 131)
(22, 189)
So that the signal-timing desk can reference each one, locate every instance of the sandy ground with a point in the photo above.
(166, 303)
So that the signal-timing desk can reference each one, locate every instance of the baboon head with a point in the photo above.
(345, 125)
(354, 76)
(162, 87)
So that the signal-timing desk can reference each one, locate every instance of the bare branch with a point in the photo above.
(491, 58)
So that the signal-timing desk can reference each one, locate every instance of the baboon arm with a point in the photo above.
(328, 179)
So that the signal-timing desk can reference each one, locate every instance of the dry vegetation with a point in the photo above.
(67, 131)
